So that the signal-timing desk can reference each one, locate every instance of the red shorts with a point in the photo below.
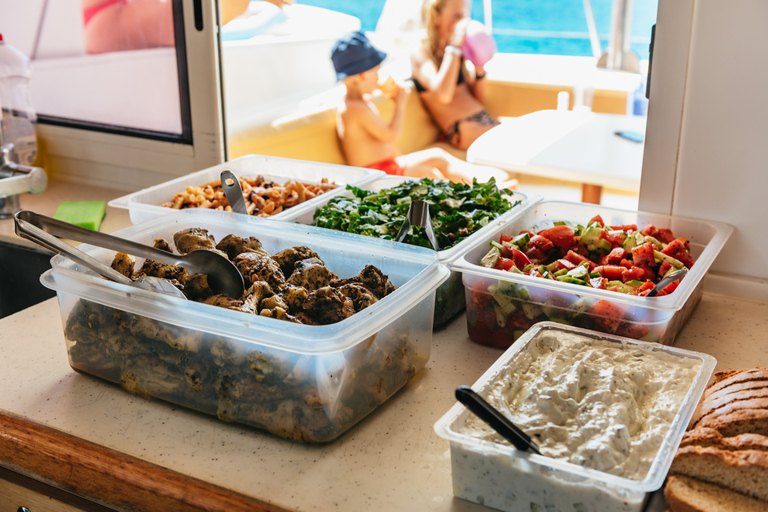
(389, 166)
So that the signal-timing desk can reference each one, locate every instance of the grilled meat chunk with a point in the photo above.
(223, 301)
(361, 296)
(279, 313)
(124, 263)
(311, 274)
(327, 305)
(162, 245)
(156, 269)
(287, 258)
(197, 288)
(373, 279)
(192, 239)
(233, 245)
(294, 297)
(256, 293)
(256, 267)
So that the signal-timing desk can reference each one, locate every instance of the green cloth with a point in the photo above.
(87, 214)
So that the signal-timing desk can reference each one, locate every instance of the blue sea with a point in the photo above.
(554, 27)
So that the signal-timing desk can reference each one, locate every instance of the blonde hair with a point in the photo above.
(430, 10)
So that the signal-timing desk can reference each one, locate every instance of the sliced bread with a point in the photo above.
(725, 379)
(712, 437)
(745, 471)
(685, 494)
(712, 404)
(753, 421)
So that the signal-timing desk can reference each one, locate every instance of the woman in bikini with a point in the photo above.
(451, 94)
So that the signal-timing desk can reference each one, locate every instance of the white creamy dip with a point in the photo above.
(590, 402)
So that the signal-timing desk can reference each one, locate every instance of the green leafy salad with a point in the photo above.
(457, 210)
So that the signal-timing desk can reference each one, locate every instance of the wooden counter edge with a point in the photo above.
(109, 477)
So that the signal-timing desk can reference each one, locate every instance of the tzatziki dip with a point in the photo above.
(591, 402)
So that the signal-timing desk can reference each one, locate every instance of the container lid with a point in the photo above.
(414, 270)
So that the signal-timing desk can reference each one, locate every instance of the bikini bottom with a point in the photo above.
(482, 118)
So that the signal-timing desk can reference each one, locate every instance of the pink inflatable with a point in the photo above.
(479, 45)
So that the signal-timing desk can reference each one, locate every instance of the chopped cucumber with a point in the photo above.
(521, 240)
(579, 272)
(660, 256)
(491, 259)
(591, 236)
(651, 336)
(531, 310)
(572, 280)
(655, 242)
(502, 312)
(634, 283)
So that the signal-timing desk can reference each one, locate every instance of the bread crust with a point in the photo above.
(725, 379)
(711, 404)
(712, 437)
(685, 494)
(753, 421)
(745, 471)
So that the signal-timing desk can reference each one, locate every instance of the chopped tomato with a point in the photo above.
(643, 254)
(561, 236)
(639, 273)
(505, 238)
(611, 272)
(480, 295)
(649, 230)
(506, 249)
(609, 315)
(671, 287)
(535, 255)
(664, 235)
(541, 243)
(576, 258)
(676, 249)
(632, 330)
(504, 263)
(615, 256)
(597, 219)
(614, 238)
(626, 263)
(629, 228)
(520, 259)
(565, 264)
(598, 282)
(664, 268)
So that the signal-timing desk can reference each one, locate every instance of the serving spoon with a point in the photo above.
(666, 281)
(223, 276)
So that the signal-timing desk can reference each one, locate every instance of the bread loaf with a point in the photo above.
(684, 494)
(740, 422)
(745, 471)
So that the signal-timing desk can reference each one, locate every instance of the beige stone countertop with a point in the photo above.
(90, 437)
(392, 460)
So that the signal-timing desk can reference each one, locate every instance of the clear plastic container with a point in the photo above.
(19, 116)
(301, 382)
(145, 204)
(502, 305)
(502, 477)
(449, 297)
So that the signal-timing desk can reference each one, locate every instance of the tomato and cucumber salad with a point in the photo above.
(622, 259)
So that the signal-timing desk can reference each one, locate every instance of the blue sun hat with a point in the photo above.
(353, 54)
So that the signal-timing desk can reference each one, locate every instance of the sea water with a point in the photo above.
(553, 27)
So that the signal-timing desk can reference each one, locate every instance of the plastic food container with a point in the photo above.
(499, 476)
(502, 305)
(301, 382)
(145, 204)
(449, 297)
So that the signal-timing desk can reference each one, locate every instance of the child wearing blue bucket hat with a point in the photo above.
(367, 140)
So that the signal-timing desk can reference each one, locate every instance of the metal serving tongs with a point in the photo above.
(223, 276)
(666, 281)
(418, 215)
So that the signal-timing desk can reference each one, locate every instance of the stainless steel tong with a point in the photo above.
(418, 215)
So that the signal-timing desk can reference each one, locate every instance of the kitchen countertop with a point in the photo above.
(91, 437)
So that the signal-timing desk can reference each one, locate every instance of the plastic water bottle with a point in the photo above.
(637, 103)
(19, 116)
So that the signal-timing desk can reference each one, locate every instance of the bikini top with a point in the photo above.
(421, 88)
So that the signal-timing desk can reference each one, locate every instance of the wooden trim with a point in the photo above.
(109, 477)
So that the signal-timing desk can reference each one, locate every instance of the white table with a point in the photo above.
(578, 146)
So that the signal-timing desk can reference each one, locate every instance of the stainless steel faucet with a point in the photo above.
(17, 179)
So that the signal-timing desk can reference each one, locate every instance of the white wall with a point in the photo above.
(722, 156)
